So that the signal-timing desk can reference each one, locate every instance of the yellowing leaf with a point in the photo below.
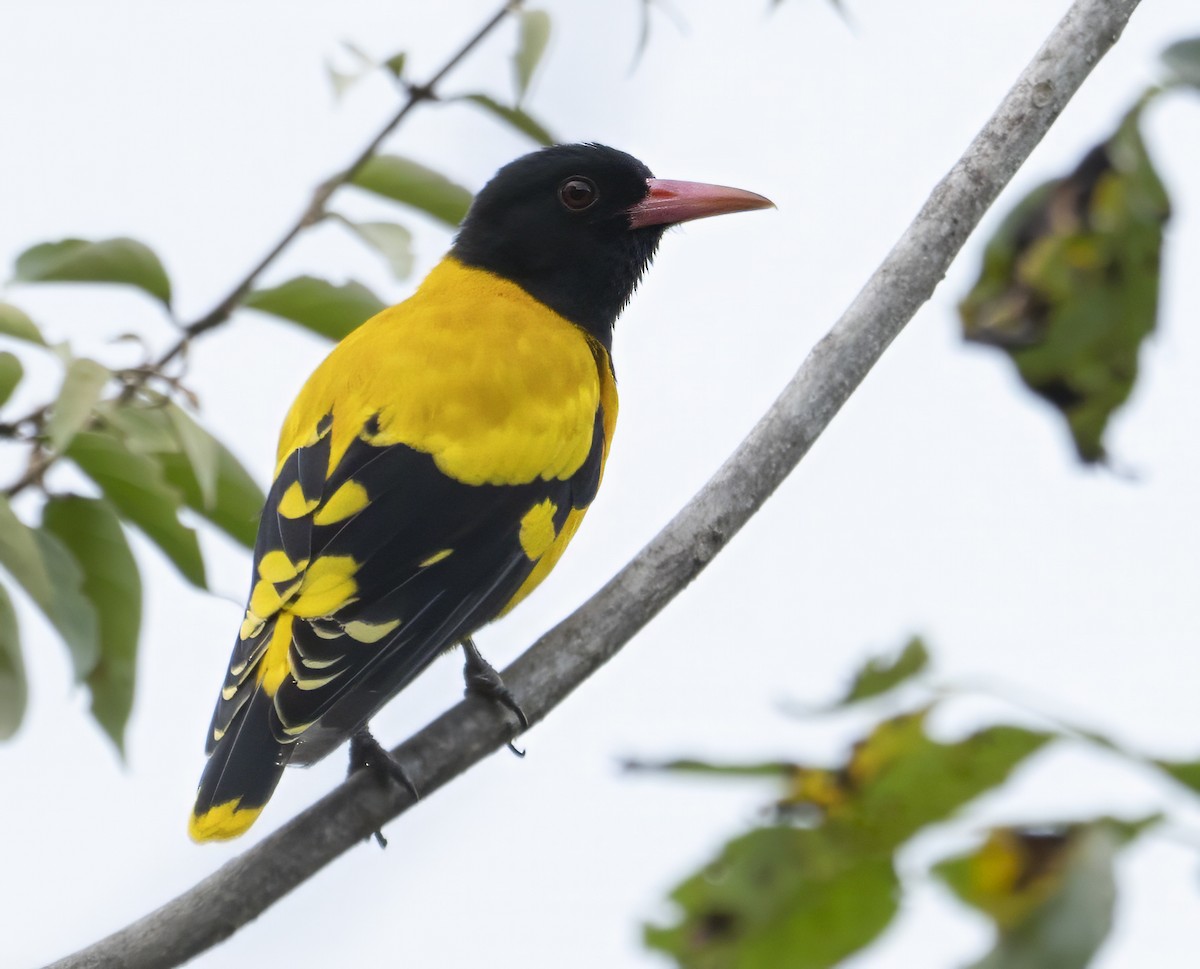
(1050, 891)
(1069, 286)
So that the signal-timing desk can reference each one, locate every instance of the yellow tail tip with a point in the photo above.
(222, 822)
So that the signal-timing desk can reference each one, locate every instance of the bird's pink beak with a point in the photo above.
(669, 202)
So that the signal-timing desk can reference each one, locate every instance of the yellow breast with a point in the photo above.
(496, 386)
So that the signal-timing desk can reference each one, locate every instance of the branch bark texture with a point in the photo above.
(564, 657)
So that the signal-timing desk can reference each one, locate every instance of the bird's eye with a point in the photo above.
(578, 193)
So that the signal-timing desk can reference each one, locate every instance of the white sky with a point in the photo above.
(943, 500)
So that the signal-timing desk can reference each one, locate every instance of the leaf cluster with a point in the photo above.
(818, 880)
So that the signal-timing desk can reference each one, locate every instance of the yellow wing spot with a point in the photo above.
(347, 501)
(229, 692)
(218, 733)
(328, 585)
(537, 529)
(435, 558)
(275, 566)
(222, 822)
(297, 730)
(369, 632)
(266, 600)
(252, 625)
(293, 504)
(318, 664)
(315, 683)
(274, 666)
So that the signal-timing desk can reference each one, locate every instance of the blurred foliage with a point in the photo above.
(1182, 60)
(149, 463)
(1069, 286)
(815, 881)
(318, 305)
(1050, 891)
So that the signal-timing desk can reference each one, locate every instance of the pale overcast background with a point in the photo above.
(943, 500)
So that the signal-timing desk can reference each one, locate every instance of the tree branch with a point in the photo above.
(573, 650)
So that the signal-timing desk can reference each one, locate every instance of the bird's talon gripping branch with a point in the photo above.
(367, 752)
(482, 680)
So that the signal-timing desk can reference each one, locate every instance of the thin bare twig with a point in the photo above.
(315, 210)
(565, 657)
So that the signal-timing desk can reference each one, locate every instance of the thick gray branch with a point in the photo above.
(569, 653)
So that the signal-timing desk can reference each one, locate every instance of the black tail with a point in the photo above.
(241, 774)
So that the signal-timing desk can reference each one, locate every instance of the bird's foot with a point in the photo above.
(368, 753)
(482, 680)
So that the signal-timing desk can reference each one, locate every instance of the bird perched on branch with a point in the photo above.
(435, 466)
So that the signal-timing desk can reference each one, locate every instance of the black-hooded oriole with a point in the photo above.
(436, 464)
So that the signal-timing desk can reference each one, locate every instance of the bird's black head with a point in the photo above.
(557, 223)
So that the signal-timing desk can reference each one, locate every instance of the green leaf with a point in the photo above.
(341, 80)
(1186, 773)
(781, 896)
(395, 64)
(14, 693)
(46, 571)
(135, 485)
(238, 502)
(411, 183)
(393, 242)
(108, 261)
(91, 531)
(774, 768)
(515, 117)
(1182, 60)
(1050, 891)
(318, 305)
(898, 780)
(144, 427)
(16, 323)
(200, 449)
(881, 674)
(1069, 285)
(532, 35)
(82, 386)
(230, 499)
(11, 373)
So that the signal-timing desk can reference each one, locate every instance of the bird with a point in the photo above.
(435, 465)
